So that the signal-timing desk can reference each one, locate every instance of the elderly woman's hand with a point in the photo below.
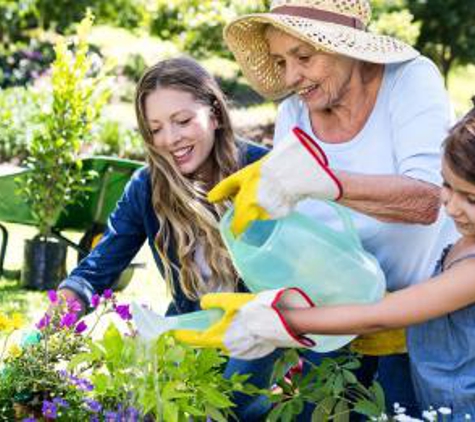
(270, 188)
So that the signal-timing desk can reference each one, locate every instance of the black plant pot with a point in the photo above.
(44, 264)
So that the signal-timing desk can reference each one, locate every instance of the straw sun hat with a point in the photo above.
(339, 26)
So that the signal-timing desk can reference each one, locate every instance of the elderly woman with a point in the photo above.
(378, 113)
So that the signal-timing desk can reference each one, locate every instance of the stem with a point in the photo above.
(4, 347)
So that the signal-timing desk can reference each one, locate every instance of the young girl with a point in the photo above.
(440, 312)
(184, 121)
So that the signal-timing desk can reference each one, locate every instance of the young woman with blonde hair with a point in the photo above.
(184, 121)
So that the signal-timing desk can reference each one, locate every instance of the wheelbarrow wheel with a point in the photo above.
(89, 241)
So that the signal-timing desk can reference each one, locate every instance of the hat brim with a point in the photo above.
(246, 39)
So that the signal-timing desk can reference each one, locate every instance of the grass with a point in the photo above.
(146, 286)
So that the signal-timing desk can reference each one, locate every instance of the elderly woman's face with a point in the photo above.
(321, 79)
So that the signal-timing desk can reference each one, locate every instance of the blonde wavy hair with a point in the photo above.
(186, 219)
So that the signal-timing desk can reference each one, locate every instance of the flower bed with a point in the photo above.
(61, 372)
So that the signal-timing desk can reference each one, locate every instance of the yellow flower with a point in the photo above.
(9, 324)
(3, 322)
(17, 321)
(14, 351)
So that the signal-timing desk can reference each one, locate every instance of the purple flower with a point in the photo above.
(53, 297)
(49, 410)
(124, 312)
(83, 384)
(60, 402)
(95, 300)
(107, 294)
(94, 418)
(81, 327)
(68, 320)
(94, 405)
(63, 373)
(110, 416)
(43, 322)
(132, 414)
(29, 420)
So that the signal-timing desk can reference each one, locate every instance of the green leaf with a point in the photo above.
(170, 411)
(341, 412)
(378, 393)
(350, 378)
(323, 410)
(112, 340)
(367, 408)
(215, 414)
(215, 398)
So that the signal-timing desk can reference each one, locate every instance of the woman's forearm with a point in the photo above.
(395, 199)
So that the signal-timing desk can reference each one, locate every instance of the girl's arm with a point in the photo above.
(452, 290)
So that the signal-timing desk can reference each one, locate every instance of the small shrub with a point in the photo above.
(134, 67)
(113, 138)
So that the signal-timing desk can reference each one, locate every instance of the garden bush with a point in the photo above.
(113, 138)
(19, 110)
(23, 64)
(197, 25)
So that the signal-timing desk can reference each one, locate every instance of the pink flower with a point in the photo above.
(43, 322)
(81, 327)
(124, 312)
(53, 297)
(68, 320)
(107, 294)
(95, 301)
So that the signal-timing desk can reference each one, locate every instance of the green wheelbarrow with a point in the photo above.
(88, 217)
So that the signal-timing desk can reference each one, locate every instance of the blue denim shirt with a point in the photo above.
(131, 223)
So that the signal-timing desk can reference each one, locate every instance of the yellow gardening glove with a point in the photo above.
(243, 186)
(230, 303)
(295, 169)
(388, 342)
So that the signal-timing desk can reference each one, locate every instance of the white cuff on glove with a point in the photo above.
(296, 169)
(259, 327)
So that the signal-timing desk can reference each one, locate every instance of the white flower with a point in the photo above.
(381, 418)
(468, 417)
(430, 415)
(404, 418)
(444, 411)
(398, 409)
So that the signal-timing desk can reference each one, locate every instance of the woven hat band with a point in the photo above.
(319, 15)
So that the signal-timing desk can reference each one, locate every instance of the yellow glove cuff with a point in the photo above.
(388, 342)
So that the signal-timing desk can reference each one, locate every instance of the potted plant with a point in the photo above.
(55, 178)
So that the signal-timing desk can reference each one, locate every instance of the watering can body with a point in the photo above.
(296, 251)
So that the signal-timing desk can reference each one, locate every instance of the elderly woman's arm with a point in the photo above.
(388, 198)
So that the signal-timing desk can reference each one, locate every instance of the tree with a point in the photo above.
(447, 33)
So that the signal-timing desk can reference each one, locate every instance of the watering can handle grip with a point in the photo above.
(348, 226)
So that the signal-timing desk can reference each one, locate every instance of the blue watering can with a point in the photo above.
(330, 266)
(296, 251)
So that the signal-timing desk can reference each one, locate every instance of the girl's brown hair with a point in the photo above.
(188, 222)
(459, 151)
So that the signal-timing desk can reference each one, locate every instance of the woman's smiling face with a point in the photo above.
(321, 79)
(181, 127)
